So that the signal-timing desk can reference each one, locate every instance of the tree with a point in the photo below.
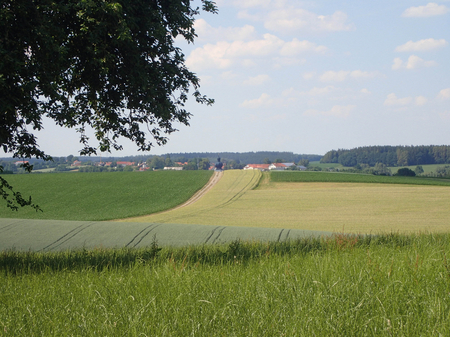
(204, 164)
(406, 172)
(156, 163)
(303, 162)
(418, 170)
(110, 66)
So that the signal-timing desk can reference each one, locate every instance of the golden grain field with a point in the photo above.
(348, 207)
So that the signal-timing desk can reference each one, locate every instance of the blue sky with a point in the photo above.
(311, 76)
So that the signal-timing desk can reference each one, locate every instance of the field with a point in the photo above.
(426, 168)
(186, 271)
(103, 196)
(391, 285)
(330, 202)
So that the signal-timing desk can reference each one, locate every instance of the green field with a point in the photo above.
(390, 285)
(103, 196)
(293, 176)
(426, 168)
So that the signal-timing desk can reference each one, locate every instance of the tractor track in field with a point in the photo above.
(197, 196)
(213, 181)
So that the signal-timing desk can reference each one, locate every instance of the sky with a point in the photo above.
(310, 76)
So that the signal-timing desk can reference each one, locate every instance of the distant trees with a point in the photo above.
(303, 162)
(389, 155)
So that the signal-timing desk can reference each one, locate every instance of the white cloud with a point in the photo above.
(295, 47)
(223, 54)
(334, 76)
(392, 100)
(339, 111)
(421, 45)
(342, 75)
(257, 80)
(444, 94)
(398, 63)
(251, 3)
(206, 32)
(431, 9)
(288, 20)
(365, 91)
(263, 100)
(310, 75)
(420, 100)
(413, 62)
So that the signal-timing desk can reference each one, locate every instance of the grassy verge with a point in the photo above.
(104, 196)
(353, 178)
(341, 286)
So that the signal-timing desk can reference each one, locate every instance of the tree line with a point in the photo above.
(389, 155)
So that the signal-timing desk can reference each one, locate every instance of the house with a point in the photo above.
(301, 168)
(174, 168)
(261, 167)
(21, 162)
(280, 166)
(125, 163)
(76, 163)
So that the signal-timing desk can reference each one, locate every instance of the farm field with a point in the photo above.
(325, 202)
(103, 196)
(426, 168)
(391, 285)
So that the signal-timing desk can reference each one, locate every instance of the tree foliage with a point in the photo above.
(111, 66)
(389, 155)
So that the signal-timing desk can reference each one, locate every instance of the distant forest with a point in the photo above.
(248, 157)
(239, 157)
(390, 155)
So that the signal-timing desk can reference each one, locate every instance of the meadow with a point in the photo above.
(103, 196)
(389, 285)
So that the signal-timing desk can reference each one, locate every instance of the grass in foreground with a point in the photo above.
(342, 286)
(103, 196)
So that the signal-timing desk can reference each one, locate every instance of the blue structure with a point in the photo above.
(219, 165)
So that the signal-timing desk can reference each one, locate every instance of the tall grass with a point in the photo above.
(341, 286)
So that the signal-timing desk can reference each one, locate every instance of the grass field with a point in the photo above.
(293, 176)
(426, 168)
(324, 205)
(103, 196)
(390, 285)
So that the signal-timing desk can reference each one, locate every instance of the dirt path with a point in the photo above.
(210, 184)
(214, 180)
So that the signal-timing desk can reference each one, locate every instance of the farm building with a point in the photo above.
(125, 163)
(261, 167)
(174, 168)
(280, 166)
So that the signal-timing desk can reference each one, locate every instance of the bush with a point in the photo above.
(406, 172)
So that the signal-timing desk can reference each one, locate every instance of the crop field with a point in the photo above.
(391, 285)
(325, 202)
(293, 176)
(103, 196)
(55, 235)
